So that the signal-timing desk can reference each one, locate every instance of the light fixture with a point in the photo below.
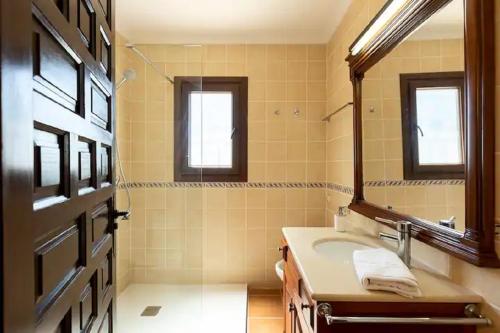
(381, 20)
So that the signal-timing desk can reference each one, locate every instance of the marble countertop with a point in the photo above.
(336, 280)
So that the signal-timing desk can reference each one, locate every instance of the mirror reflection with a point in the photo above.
(413, 123)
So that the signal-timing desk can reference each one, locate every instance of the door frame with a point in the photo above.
(16, 163)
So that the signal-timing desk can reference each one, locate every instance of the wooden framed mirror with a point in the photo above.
(424, 142)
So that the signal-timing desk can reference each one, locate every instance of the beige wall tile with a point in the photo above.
(276, 91)
(276, 218)
(215, 53)
(296, 70)
(316, 71)
(276, 151)
(256, 198)
(297, 52)
(236, 53)
(316, 52)
(236, 218)
(257, 54)
(275, 198)
(276, 53)
(256, 218)
(276, 172)
(296, 91)
(277, 71)
(193, 225)
(256, 253)
(236, 198)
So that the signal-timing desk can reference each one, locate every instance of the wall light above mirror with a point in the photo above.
(423, 114)
(386, 14)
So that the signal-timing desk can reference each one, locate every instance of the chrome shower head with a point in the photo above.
(128, 74)
(148, 61)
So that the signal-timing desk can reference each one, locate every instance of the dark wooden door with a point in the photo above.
(57, 188)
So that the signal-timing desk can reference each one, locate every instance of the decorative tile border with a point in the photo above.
(340, 188)
(279, 185)
(382, 183)
(276, 185)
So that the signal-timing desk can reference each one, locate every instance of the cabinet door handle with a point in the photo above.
(305, 306)
(291, 307)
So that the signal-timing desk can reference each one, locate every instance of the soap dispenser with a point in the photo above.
(340, 219)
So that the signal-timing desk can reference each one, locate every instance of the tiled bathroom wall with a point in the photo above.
(382, 136)
(236, 241)
(226, 232)
(340, 158)
(123, 140)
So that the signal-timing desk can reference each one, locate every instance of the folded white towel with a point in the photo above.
(380, 269)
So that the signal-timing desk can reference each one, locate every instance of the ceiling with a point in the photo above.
(229, 21)
(448, 23)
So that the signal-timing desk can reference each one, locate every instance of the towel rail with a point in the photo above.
(327, 118)
(471, 313)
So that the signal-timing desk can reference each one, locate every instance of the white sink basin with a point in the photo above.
(338, 250)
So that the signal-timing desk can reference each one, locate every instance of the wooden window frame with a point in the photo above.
(238, 86)
(409, 83)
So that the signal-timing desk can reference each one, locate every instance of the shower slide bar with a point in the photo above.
(148, 61)
(473, 318)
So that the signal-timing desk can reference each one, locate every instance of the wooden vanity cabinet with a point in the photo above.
(298, 306)
(300, 310)
(292, 323)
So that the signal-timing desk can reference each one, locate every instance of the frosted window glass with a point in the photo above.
(439, 132)
(210, 130)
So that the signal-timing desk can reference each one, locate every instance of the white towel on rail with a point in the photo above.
(381, 269)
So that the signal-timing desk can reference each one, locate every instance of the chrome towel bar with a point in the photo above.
(325, 310)
(327, 118)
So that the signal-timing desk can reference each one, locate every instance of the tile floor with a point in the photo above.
(265, 311)
(184, 309)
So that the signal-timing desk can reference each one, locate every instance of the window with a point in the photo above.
(433, 125)
(211, 129)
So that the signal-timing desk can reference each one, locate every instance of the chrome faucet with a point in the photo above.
(449, 223)
(403, 238)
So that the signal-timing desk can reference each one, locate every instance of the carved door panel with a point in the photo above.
(63, 137)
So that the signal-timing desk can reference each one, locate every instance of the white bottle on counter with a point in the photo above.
(340, 220)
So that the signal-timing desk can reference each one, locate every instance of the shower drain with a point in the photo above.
(150, 311)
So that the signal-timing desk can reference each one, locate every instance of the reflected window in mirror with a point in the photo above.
(428, 37)
(211, 129)
(413, 123)
(433, 125)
